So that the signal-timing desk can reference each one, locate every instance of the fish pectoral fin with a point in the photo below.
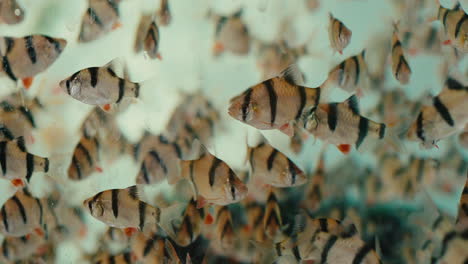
(344, 148)
(293, 75)
(287, 129)
(27, 82)
(129, 231)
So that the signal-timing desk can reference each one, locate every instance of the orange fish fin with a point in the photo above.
(340, 52)
(218, 47)
(99, 169)
(287, 129)
(129, 231)
(82, 232)
(39, 232)
(27, 82)
(158, 56)
(116, 25)
(447, 42)
(18, 183)
(201, 202)
(209, 219)
(344, 148)
(106, 107)
(28, 236)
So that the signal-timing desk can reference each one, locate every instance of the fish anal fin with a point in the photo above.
(27, 82)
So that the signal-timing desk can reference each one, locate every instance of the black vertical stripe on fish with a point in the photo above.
(21, 208)
(111, 259)
(85, 151)
(5, 250)
(341, 73)
(144, 171)
(29, 166)
(3, 156)
(362, 253)
(20, 144)
(464, 207)
(93, 74)
(326, 250)
(5, 218)
(446, 240)
(332, 117)
(9, 43)
(121, 90)
(94, 17)
(453, 84)
(30, 49)
(432, 37)
(41, 211)
(395, 45)
(437, 222)
(231, 179)
(27, 113)
(250, 152)
(221, 22)
(127, 257)
(340, 29)
(212, 173)
(6, 133)
(115, 202)
(7, 68)
(191, 131)
(227, 228)
(323, 224)
(363, 129)
(273, 98)
(381, 131)
(278, 249)
(141, 214)
(420, 171)
(271, 159)
(246, 103)
(114, 6)
(401, 60)
(177, 150)
(158, 159)
(302, 98)
(443, 111)
(296, 252)
(149, 245)
(459, 24)
(137, 90)
(77, 166)
(293, 171)
(358, 70)
(57, 46)
(444, 19)
(419, 127)
(191, 177)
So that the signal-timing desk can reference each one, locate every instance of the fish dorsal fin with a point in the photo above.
(20, 143)
(292, 74)
(117, 66)
(353, 104)
(363, 53)
(453, 84)
(133, 192)
(238, 14)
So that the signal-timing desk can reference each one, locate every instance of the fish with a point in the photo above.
(23, 214)
(400, 66)
(122, 208)
(18, 164)
(298, 140)
(147, 38)
(85, 159)
(25, 57)
(21, 248)
(350, 75)
(342, 125)
(314, 192)
(231, 34)
(213, 181)
(154, 249)
(17, 121)
(100, 18)
(224, 230)
(272, 220)
(455, 22)
(272, 58)
(160, 159)
(11, 12)
(116, 235)
(187, 231)
(99, 86)
(463, 139)
(163, 15)
(272, 167)
(275, 103)
(338, 34)
(201, 128)
(462, 218)
(445, 116)
(254, 214)
(123, 258)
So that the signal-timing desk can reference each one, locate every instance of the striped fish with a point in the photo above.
(99, 86)
(160, 159)
(341, 124)
(163, 15)
(17, 121)
(21, 248)
(18, 164)
(272, 220)
(11, 12)
(224, 232)
(187, 231)
(338, 34)
(85, 159)
(274, 57)
(447, 115)
(455, 22)
(116, 235)
(124, 258)
(231, 34)
(462, 219)
(275, 103)
(400, 67)
(100, 18)
(213, 181)
(350, 75)
(122, 208)
(270, 166)
(25, 57)
(154, 249)
(254, 226)
(22, 214)
(147, 37)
